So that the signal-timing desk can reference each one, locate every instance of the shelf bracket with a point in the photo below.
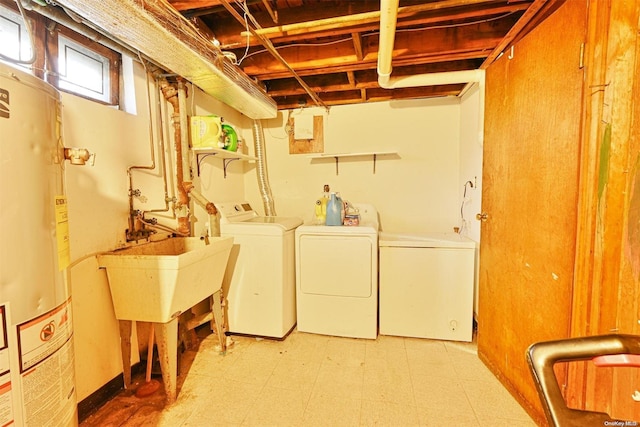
(200, 158)
(225, 162)
(371, 155)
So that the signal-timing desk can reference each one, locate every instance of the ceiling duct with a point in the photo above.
(159, 32)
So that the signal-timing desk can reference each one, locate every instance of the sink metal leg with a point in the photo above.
(125, 349)
(167, 343)
(218, 321)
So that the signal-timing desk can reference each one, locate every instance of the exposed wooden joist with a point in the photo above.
(432, 46)
(266, 74)
(371, 65)
(362, 18)
(376, 95)
(352, 78)
(341, 82)
(528, 15)
(316, 99)
(357, 45)
(272, 13)
(334, 49)
(230, 37)
(182, 5)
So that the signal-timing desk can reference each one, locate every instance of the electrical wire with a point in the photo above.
(464, 201)
(245, 10)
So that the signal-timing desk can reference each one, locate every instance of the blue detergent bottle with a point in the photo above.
(334, 210)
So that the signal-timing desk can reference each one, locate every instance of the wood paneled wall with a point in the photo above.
(605, 282)
(607, 276)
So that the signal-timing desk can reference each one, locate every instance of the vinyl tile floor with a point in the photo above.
(317, 380)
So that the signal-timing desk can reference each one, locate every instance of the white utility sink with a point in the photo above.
(157, 281)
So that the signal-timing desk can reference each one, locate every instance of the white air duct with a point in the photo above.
(388, 20)
(158, 31)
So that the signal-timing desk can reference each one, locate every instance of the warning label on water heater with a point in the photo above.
(62, 232)
(47, 367)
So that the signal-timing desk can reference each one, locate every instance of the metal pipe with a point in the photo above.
(133, 233)
(183, 160)
(163, 161)
(182, 205)
(261, 169)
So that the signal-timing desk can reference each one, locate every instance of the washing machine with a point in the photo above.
(259, 283)
(337, 277)
(427, 285)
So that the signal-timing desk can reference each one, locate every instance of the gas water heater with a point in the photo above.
(37, 379)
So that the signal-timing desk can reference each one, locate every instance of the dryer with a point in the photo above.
(337, 277)
(259, 283)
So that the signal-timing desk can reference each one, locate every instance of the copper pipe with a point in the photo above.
(171, 95)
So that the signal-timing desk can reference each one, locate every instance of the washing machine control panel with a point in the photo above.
(243, 207)
(235, 211)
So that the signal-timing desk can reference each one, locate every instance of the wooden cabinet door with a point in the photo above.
(530, 191)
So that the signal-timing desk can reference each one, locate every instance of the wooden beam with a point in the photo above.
(352, 78)
(528, 15)
(272, 13)
(202, 28)
(357, 45)
(362, 18)
(606, 293)
(274, 52)
(436, 45)
(229, 34)
(353, 65)
(182, 5)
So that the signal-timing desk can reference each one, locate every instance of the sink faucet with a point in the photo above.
(137, 230)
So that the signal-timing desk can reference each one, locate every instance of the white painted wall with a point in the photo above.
(471, 138)
(420, 189)
(417, 190)
(98, 208)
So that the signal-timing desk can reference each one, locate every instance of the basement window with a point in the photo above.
(83, 71)
(14, 36)
(83, 66)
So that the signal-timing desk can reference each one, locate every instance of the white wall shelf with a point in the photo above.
(226, 156)
(336, 156)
